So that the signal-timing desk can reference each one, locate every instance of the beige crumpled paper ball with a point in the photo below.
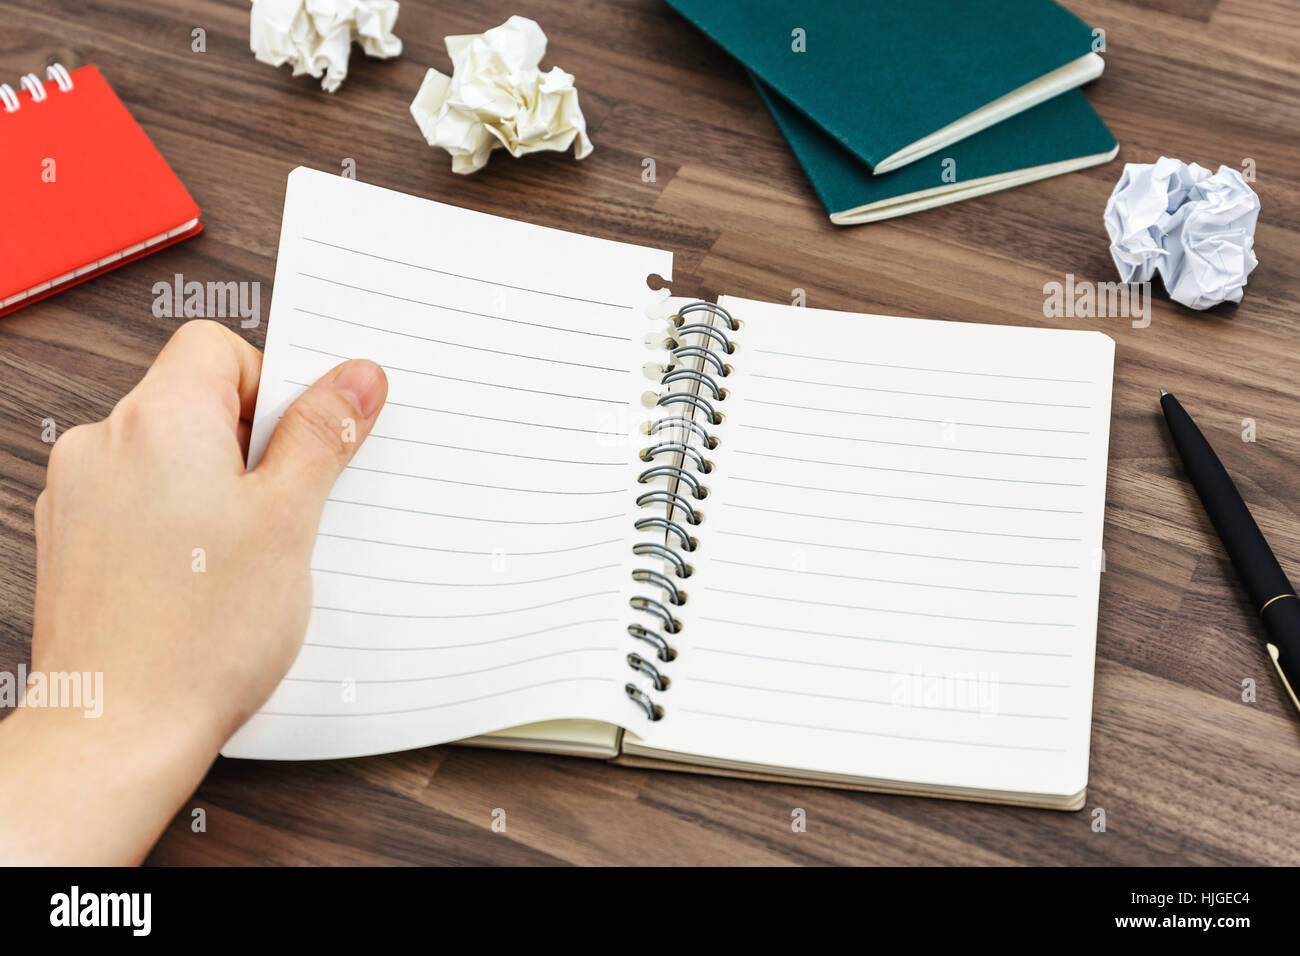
(497, 96)
(316, 36)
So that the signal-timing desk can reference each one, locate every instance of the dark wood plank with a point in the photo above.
(1185, 771)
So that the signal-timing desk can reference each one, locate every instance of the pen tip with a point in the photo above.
(1163, 393)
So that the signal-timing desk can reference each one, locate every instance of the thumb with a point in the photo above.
(321, 431)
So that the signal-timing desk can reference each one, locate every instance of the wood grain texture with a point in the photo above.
(1186, 772)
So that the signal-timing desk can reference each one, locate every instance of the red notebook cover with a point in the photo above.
(82, 190)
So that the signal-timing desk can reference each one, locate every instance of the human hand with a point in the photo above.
(180, 577)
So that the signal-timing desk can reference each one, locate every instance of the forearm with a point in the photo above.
(94, 791)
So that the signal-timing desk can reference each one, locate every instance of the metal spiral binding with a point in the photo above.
(679, 457)
(33, 85)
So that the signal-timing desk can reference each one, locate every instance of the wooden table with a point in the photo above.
(1185, 770)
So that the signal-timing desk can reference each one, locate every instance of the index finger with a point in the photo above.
(207, 352)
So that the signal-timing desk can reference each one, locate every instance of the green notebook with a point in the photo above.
(1058, 136)
(895, 80)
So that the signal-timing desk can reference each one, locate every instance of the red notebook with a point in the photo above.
(84, 191)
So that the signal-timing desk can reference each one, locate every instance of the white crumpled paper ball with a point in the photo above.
(316, 36)
(1196, 229)
(497, 96)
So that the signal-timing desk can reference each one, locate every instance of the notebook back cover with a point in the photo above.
(1064, 128)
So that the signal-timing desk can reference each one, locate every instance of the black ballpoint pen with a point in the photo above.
(1266, 583)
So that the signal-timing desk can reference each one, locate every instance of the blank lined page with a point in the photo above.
(472, 567)
(898, 576)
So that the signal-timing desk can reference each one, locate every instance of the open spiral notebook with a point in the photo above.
(737, 538)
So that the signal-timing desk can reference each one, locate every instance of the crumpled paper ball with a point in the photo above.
(316, 36)
(1196, 229)
(497, 96)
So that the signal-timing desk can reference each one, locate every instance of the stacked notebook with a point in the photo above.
(892, 108)
(735, 537)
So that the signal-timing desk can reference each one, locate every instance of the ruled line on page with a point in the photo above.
(882, 610)
(448, 308)
(490, 418)
(904, 418)
(907, 471)
(461, 345)
(483, 554)
(904, 554)
(501, 454)
(456, 647)
(875, 494)
(915, 368)
(888, 640)
(449, 703)
(696, 679)
(918, 584)
(458, 584)
(894, 391)
(439, 514)
(907, 444)
(697, 649)
(479, 484)
(453, 378)
(481, 670)
(871, 733)
(894, 524)
(456, 275)
(449, 617)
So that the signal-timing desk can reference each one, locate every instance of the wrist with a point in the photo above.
(95, 790)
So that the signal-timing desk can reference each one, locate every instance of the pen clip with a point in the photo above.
(1273, 653)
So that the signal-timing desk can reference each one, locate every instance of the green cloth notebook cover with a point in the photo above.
(1058, 136)
(895, 80)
